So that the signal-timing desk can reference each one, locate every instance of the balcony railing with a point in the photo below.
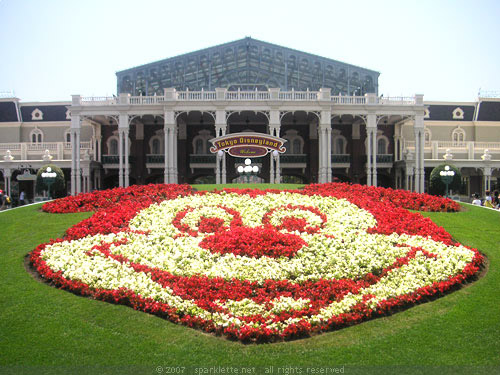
(341, 158)
(58, 150)
(202, 159)
(155, 159)
(225, 95)
(385, 158)
(115, 159)
(293, 159)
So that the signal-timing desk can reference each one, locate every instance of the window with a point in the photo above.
(458, 114)
(427, 135)
(295, 142)
(156, 143)
(113, 147)
(37, 114)
(381, 146)
(67, 136)
(155, 149)
(198, 148)
(297, 147)
(339, 143)
(36, 136)
(201, 145)
(458, 137)
(339, 146)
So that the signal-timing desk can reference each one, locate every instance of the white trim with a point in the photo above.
(458, 114)
(37, 115)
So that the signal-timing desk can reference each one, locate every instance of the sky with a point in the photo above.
(446, 50)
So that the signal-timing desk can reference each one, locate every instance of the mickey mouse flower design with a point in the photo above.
(259, 266)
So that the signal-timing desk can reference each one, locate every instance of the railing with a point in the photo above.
(202, 159)
(10, 146)
(247, 95)
(487, 145)
(341, 158)
(397, 100)
(385, 158)
(51, 146)
(58, 150)
(97, 100)
(223, 94)
(460, 145)
(155, 159)
(298, 95)
(147, 99)
(291, 159)
(115, 159)
(348, 99)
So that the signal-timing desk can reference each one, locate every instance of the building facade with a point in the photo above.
(159, 125)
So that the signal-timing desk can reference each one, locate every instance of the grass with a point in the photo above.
(249, 186)
(46, 330)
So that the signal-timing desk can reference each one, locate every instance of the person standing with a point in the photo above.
(21, 198)
(2, 200)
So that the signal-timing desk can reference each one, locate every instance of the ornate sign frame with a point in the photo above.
(248, 144)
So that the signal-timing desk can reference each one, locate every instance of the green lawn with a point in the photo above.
(46, 330)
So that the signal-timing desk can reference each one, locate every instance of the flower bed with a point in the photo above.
(257, 265)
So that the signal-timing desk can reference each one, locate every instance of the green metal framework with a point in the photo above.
(247, 64)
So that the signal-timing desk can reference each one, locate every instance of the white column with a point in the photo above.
(168, 129)
(419, 153)
(324, 125)
(75, 151)
(329, 154)
(371, 125)
(99, 149)
(397, 140)
(78, 169)
(218, 159)
(120, 158)
(274, 130)
(126, 161)
(171, 155)
(174, 159)
(220, 130)
(166, 159)
(7, 180)
(368, 157)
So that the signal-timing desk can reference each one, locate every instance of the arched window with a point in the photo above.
(156, 144)
(381, 146)
(36, 136)
(297, 146)
(427, 135)
(67, 136)
(458, 136)
(339, 143)
(201, 145)
(198, 146)
(295, 142)
(113, 147)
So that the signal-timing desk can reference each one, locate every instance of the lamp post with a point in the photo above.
(447, 176)
(248, 169)
(49, 178)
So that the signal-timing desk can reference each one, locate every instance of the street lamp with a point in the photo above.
(49, 178)
(248, 169)
(447, 176)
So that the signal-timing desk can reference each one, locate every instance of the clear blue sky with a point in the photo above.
(444, 49)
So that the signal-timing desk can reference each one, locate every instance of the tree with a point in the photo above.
(437, 186)
(58, 188)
